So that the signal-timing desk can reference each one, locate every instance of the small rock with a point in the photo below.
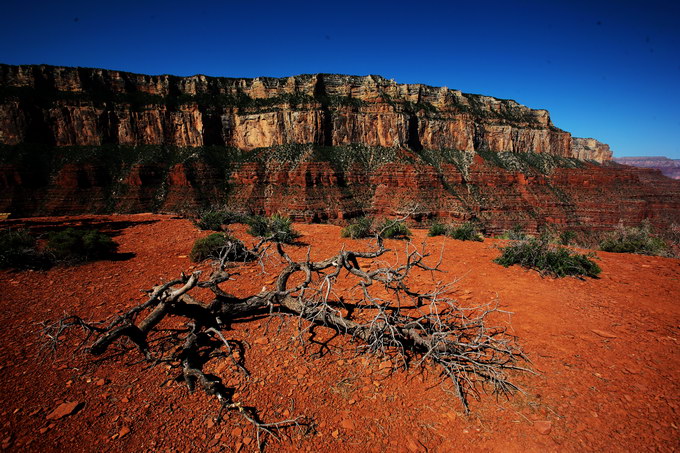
(261, 340)
(124, 400)
(247, 440)
(603, 333)
(211, 422)
(347, 424)
(124, 431)
(335, 434)
(543, 427)
(385, 364)
(44, 430)
(236, 432)
(63, 410)
(101, 382)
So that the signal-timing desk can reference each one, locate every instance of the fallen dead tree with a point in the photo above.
(411, 327)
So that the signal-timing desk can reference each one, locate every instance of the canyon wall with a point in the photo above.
(81, 106)
(315, 147)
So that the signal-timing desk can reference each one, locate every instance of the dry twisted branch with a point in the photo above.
(469, 351)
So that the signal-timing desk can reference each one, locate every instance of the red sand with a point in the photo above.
(606, 351)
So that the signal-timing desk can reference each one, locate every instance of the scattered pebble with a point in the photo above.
(63, 410)
(543, 427)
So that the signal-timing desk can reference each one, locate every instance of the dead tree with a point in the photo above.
(433, 330)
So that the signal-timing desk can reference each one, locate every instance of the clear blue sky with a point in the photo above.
(608, 70)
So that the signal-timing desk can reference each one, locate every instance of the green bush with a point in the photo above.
(278, 228)
(18, 250)
(360, 228)
(567, 237)
(466, 232)
(437, 229)
(540, 255)
(80, 245)
(213, 219)
(634, 240)
(394, 229)
(219, 245)
(516, 233)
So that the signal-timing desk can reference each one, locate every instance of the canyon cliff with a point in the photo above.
(317, 147)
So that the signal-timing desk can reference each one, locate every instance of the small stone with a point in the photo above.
(335, 433)
(124, 400)
(261, 340)
(124, 431)
(101, 382)
(543, 427)
(211, 422)
(347, 424)
(603, 333)
(247, 440)
(63, 410)
(44, 430)
(385, 364)
(236, 432)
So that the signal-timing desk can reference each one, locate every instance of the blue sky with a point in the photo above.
(608, 70)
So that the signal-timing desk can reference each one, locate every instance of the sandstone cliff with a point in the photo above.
(79, 106)
(315, 147)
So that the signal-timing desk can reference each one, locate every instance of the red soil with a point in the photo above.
(605, 350)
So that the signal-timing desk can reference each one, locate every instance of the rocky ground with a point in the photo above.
(605, 353)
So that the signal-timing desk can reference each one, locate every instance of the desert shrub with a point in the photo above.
(466, 232)
(217, 246)
(437, 229)
(278, 228)
(516, 233)
(213, 219)
(18, 250)
(633, 240)
(394, 229)
(539, 254)
(359, 228)
(567, 237)
(80, 245)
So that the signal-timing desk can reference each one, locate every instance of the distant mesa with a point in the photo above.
(668, 167)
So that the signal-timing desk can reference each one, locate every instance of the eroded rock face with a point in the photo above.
(590, 149)
(113, 141)
(78, 106)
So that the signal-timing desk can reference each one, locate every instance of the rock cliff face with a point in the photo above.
(668, 167)
(315, 147)
(78, 106)
(590, 149)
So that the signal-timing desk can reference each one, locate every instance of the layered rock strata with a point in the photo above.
(80, 106)
(315, 147)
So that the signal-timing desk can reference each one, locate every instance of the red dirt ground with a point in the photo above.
(605, 350)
